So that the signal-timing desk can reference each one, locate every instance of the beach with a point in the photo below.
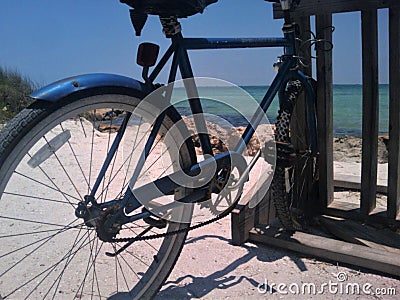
(221, 270)
(210, 266)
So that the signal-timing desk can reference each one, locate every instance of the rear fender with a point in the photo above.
(85, 83)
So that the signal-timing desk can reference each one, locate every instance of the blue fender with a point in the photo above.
(65, 87)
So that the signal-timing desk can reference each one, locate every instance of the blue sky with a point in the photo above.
(48, 40)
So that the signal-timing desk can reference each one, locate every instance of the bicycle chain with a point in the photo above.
(162, 235)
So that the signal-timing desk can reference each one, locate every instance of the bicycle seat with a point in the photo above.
(169, 8)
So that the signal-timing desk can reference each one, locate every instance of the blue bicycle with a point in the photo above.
(100, 179)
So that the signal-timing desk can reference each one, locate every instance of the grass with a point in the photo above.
(15, 89)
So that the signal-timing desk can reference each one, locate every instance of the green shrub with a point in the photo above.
(14, 93)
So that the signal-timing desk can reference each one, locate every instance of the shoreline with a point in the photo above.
(346, 148)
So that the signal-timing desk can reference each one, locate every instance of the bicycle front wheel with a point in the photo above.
(50, 157)
(296, 171)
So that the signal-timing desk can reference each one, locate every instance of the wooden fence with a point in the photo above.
(245, 219)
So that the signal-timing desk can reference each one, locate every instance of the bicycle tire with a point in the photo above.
(46, 252)
(293, 160)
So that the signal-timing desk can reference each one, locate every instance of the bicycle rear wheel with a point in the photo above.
(50, 157)
(296, 171)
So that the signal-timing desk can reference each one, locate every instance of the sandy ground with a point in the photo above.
(210, 267)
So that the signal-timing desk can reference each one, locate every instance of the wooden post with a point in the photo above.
(370, 109)
(394, 114)
(324, 7)
(305, 52)
(325, 111)
(302, 189)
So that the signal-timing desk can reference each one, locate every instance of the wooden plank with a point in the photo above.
(242, 220)
(314, 7)
(325, 112)
(243, 217)
(351, 211)
(331, 249)
(394, 114)
(362, 234)
(265, 211)
(370, 111)
(353, 183)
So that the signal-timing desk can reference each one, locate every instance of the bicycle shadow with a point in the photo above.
(191, 286)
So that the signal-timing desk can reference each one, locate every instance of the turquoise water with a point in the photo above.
(347, 108)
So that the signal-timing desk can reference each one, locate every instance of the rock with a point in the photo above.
(108, 128)
(384, 139)
(223, 140)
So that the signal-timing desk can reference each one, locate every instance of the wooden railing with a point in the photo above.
(323, 10)
(366, 246)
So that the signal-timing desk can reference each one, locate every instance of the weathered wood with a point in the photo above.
(315, 7)
(265, 211)
(242, 221)
(325, 111)
(370, 111)
(337, 251)
(305, 51)
(244, 218)
(350, 210)
(303, 174)
(394, 114)
(362, 234)
(353, 183)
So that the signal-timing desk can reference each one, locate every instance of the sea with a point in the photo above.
(234, 106)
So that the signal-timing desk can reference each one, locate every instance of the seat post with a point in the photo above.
(171, 26)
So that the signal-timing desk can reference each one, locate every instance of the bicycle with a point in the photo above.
(68, 194)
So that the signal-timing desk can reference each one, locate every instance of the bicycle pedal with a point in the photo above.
(158, 223)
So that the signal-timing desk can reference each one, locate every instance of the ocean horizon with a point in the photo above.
(232, 105)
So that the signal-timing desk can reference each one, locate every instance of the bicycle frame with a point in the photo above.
(179, 51)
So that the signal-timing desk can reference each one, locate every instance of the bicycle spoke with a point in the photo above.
(130, 267)
(90, 264)
(65, 171)
(94, 277)
(30, 233)
(136, 257)
(131, 154)
(63, 229)
(76, 158)
(108, 153)
(152, 164)
(111, 171)
(59, 277)
(49, 187)
(91, 157)
(118, 264)
(45, 240)
(49, 252)
(30, 197)
(51, 267)
(120, 168)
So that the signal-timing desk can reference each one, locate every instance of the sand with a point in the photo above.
(211, 267)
